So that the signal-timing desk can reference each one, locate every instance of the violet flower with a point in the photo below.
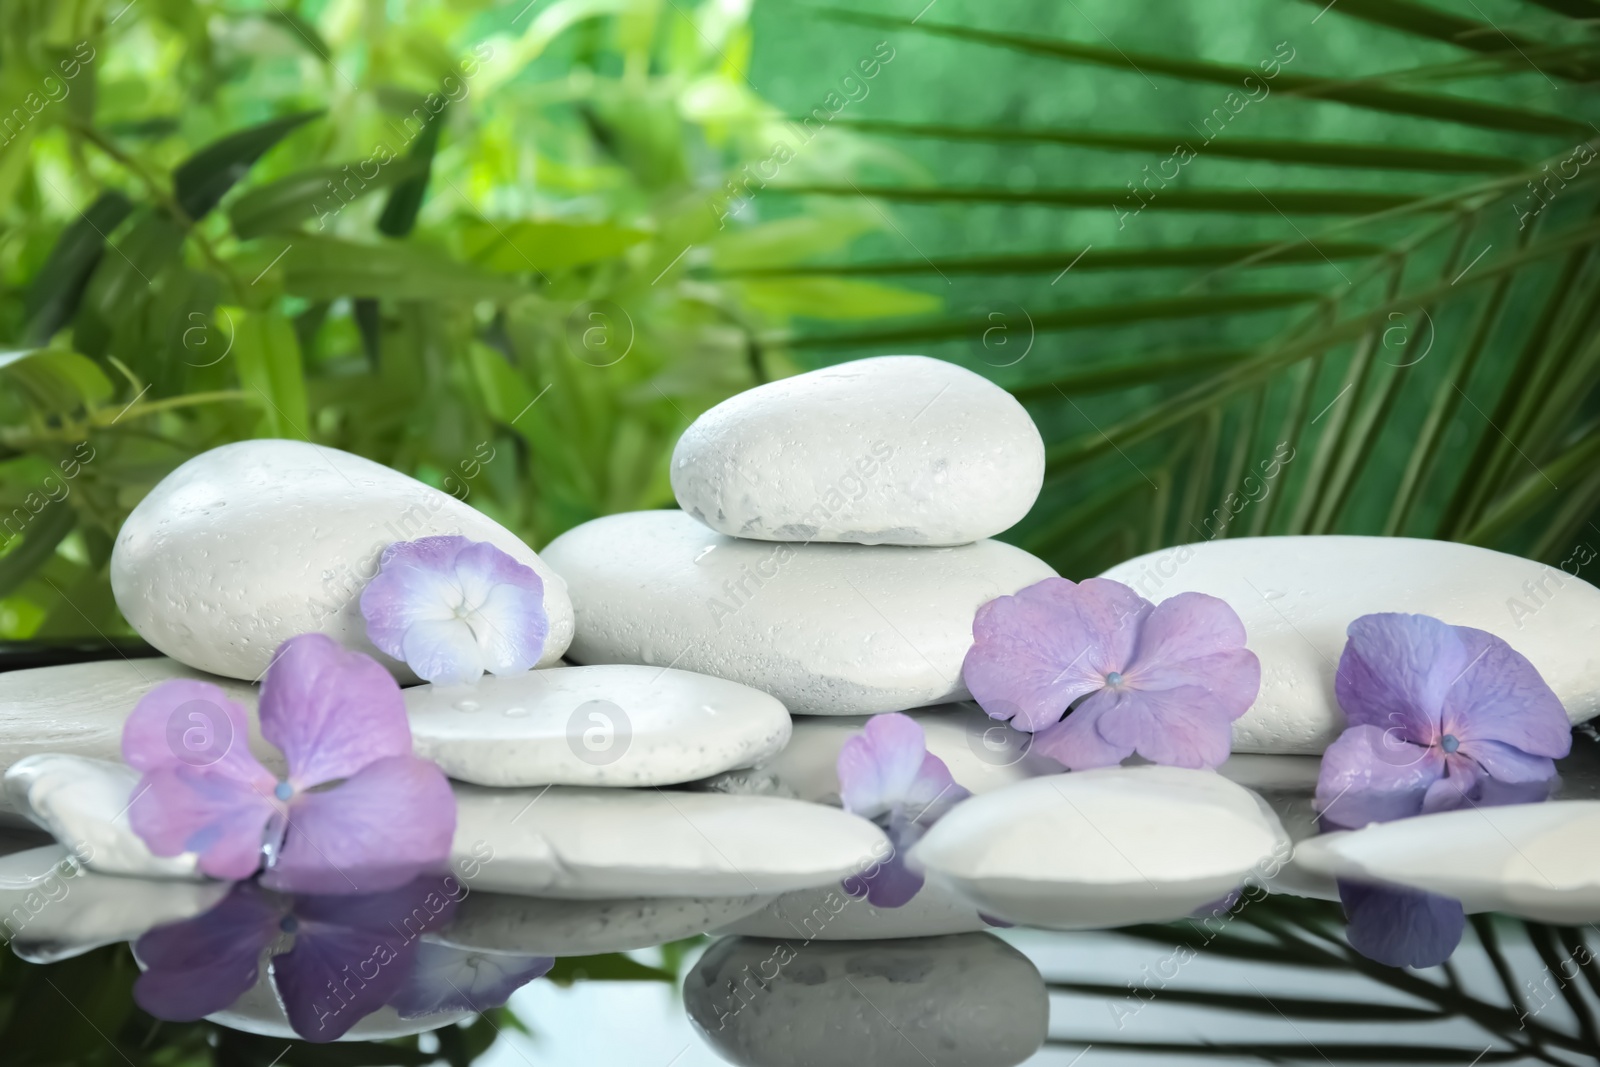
(887, 775)
(1162, 680)
(1439, 715)
(334, 959)
(447, 979)
(450, 608)
(357, 813)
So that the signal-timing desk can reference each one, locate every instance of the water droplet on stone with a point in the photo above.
(466, 705)
(704, 552)
(515, 713)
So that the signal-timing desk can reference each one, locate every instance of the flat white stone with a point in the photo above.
(897, 450)
(78, 709)
(1105, 847)
(623, 725)
(969, 999)
(827, 913)
(562, 841)
(249, 544)
(84, 804)
(982, 755)
(827, 629)
(1537, 861)
(540, 926)
(1297, 596)
(52, 907)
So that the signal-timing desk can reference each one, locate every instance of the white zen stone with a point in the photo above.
(84, 804)
(538, 926)
(827, 629)
(970, 999)
(1297, 595)
(52, 907)
(827, 913)
(1105, 847)
(623, 725)
(603, 843)
(895, 450)
(982, 755)
(1537, 861)
(249, 544)
(78, 709)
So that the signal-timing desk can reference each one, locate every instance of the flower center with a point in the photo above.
(289, 924)
(1449, 743)
(283, 791)
(1114, 678)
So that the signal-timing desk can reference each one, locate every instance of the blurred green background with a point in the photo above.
(1260, 267)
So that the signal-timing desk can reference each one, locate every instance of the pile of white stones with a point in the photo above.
(831, 551)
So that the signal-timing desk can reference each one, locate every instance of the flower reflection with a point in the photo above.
(332, 959)
(1401, 927)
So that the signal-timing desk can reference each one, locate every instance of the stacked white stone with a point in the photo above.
(833, 544)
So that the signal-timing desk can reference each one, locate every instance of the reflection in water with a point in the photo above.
(333, 959)
(966, 1000)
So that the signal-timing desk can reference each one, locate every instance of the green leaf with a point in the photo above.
(268, 355)
(1231, 201)
(58, 381)
(974, 326)
(611, 967)
(1312, 153)
(119, 289)
(832, 298)
(1310, 86)
(516, 247)
(327, 268)
(40, 533)
(405, 202)
(319, 192)
(200, 182)
(1264, 253)
(58, 286)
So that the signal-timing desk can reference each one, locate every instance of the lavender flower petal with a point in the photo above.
(1077, 742)
(1369, 775)
(330, 710)
(447, 979)
(1034, 653)
(1501, 697)
(506, 600)
(1395, 672)
(1182, 727)
(381, 827)
(190, 809)
(186, 723)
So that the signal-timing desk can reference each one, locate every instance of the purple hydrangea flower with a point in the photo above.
(1438, 715)
(447, 979)
(887, 774)
(1163, 680)
(334, 959)
(450, 608)
(357, 813)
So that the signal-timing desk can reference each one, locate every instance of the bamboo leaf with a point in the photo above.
(317, 192)
(58, 286)
(268, 357)
(405, 201)
(326, 268)
(1257, 254)
(201, 181)
(40, 532)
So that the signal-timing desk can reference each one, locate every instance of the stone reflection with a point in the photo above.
(965, 1000)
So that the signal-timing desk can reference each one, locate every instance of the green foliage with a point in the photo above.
(1332, 271)
(462, 240)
